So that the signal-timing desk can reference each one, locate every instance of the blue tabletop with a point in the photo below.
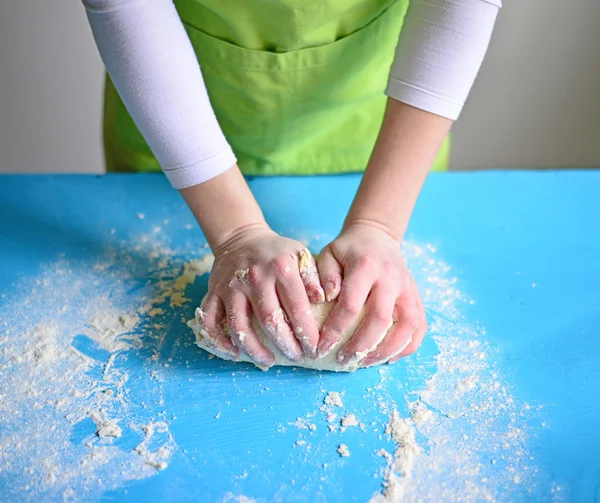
(104, 396)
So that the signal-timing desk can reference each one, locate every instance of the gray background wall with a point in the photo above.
(536, 103)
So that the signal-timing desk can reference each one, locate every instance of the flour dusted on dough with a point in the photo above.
(320, 311)
(327, 362)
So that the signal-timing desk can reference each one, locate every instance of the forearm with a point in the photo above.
(224, 207)
(153, 66)
(439, 53)
(408, 142)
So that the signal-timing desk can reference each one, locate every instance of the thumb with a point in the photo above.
(310, 277)
(330, 272)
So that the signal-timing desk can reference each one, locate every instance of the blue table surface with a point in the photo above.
(524, 246)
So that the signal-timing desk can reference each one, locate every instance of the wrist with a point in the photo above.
(224, 207)
(369, 212)
(365, 223)
(405, 149)
(231, 240)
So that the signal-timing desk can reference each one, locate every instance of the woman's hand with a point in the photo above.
(363, 265)
(257, 271)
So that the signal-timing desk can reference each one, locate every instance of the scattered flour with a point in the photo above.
(470, 430)
(105, 427)
(343, 450)
(69, 399)
(419, 413)
(458, 434)
(231, 498)
(463, 437)
(349, 420)
(399, 466)
(333, 398)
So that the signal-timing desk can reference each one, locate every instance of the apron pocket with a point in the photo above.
(315, 110)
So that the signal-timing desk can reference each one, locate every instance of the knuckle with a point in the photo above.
(235, 322)
(254, 275)
(298, 310)
(264, 315)
(364, 261)
(390, 270)
(210, 323)
(280, 266)
(379, 316)
(411, 319)
(263, 318)
(332, 278)
(349, 306)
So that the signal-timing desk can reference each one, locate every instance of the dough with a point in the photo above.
(327, 362)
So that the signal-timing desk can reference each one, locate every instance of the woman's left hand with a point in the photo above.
(364, 266)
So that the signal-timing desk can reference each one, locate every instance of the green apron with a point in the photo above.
(297, 85)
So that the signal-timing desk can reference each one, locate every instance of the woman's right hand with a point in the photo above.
(258, 272)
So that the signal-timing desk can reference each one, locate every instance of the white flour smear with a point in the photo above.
(65, 412)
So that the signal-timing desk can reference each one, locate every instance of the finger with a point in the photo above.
(239, 317)
(310, 277)
(406, 322)
(372, 329)
(330, 273)
(210, 316)
(352, 298)
(271, 319)
(295, 302)
(418, 336)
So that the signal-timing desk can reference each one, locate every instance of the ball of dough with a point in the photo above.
(327, 362)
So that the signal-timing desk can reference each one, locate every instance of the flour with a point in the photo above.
(110, 329)
(333, 398)
(65, 403)
(231, 498)
(459, 435)
(173, 290)
(105, 427)
(349, 420)
(419, 413)
(343, 451)
(159, 457)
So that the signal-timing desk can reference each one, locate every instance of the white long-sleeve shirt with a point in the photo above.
(150, 60)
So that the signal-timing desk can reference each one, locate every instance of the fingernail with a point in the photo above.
(329, 290)
(267, 362)
(311, 352)
(371, 361)
(291, 353)
(318, 295)
(296, 357)
(324, 348)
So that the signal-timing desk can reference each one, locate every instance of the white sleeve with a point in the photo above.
(151, 62)
(440, 50)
